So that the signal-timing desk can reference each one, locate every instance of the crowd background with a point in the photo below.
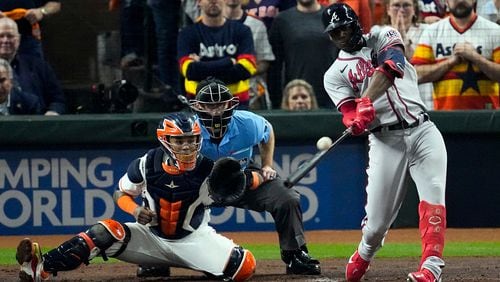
(82, 44)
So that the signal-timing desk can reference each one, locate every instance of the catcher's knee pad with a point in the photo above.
(106, 232)
(432, 225)
(85, 246)
(241, 265)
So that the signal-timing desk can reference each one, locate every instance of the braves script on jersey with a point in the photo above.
(350, 74)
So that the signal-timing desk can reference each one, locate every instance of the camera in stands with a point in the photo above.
(116, 98)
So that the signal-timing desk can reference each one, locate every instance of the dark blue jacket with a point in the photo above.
(34, 75)
(24, 103)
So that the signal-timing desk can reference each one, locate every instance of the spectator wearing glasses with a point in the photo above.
(403, 16)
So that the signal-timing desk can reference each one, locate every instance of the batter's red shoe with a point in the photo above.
(356, 268)
(424, 275)
(29, 256)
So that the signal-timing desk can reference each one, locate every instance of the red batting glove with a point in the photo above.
(365, 112)
(358, 114)
(350, 121)
(348, 118)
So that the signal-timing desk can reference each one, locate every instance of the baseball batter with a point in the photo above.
(172, 231)
(375, 88)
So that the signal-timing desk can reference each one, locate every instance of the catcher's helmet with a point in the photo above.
(341, 16)
(180, 135)
(214, 105)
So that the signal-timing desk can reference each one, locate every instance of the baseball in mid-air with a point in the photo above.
(324, 143)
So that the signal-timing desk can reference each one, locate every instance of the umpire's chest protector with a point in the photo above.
(174, 194)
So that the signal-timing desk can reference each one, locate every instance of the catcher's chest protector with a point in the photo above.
(173, 194)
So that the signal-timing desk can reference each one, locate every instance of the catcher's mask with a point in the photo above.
(214, 105)
(180, 135)
(342, 24)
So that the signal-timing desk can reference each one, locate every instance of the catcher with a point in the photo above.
(177, 185)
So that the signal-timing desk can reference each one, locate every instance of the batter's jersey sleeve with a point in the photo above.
(336, 85)
(382, 37)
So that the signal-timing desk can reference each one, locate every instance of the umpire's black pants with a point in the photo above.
(284, 205)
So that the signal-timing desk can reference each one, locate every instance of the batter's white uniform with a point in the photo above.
(202, 250)
(403, 143)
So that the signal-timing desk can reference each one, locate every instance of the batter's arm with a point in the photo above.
(266, 154)
(433, 72)
(377, 87)
(391, 65)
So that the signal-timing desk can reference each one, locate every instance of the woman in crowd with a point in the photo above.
(403, 16)
(298, 95)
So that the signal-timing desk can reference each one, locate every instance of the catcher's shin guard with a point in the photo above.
(432, 225)
(241, 265)
(85, 246)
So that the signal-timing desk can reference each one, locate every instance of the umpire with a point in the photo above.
(227, 132)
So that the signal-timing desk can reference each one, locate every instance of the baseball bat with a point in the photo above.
(307, 166)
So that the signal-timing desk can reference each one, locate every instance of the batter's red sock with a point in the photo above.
(432, 225)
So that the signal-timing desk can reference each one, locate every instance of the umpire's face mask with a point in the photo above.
(215, 117)
(218, 125)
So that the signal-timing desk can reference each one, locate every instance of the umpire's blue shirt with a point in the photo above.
(245, 131)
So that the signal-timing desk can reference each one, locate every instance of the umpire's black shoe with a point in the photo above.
(153, 271)
(299, 262)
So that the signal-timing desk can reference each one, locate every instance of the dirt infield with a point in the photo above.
(457, 269)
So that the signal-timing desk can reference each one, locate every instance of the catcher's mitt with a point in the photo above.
(227, 181)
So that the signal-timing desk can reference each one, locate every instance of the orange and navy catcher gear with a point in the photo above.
(86, 245)
(175, 196)
(341, 16)
(180, 136)
(214, 105)
(240, 266)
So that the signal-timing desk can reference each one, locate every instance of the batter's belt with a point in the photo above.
(402, 125)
